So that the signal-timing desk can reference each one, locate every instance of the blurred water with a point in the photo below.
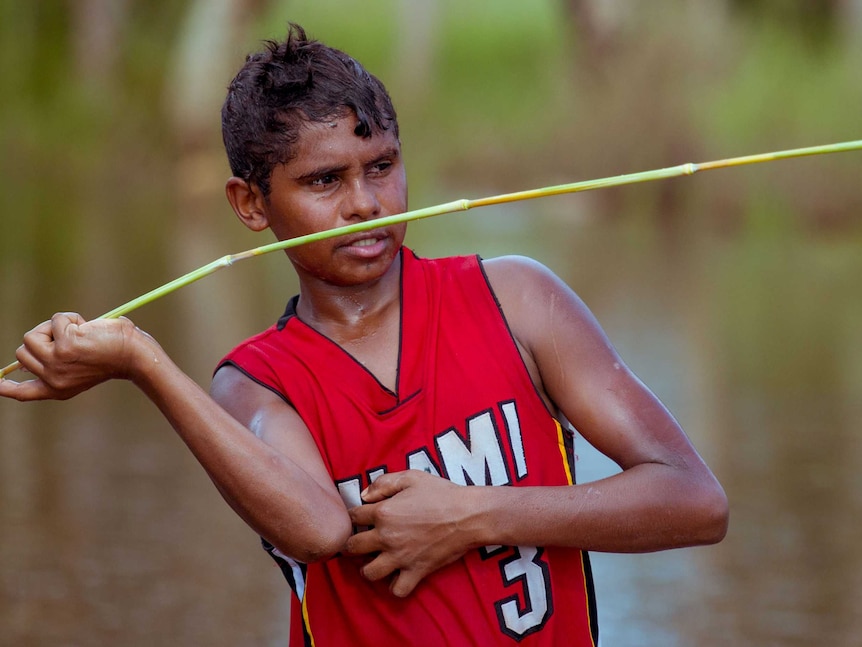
(735, 298)
(111, 534)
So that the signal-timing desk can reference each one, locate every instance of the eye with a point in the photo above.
(324, 180)
(380, 168)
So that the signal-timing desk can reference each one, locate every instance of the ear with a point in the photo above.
(248, 203)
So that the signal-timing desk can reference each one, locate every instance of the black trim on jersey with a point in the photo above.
(269, 387)
(487, 552)
(591, 597)
(569, 445)
(290, 313)
(400, 328)
(554, 414)
(286, 570)
(399, 403)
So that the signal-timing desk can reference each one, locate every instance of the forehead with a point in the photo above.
(334, 142)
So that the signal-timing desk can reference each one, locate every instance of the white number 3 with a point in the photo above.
(524, 567)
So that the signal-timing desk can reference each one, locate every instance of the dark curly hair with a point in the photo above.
(288, 84)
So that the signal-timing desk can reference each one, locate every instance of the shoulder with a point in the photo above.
(261, 358)
(524, 286)
(518, 270)
(541, 309)
(240, 393)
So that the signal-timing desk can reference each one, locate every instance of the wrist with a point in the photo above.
(478, 519)
(143, 356)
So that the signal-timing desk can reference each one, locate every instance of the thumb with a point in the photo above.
(24, 391)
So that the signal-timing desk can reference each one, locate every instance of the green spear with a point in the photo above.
(463, 205)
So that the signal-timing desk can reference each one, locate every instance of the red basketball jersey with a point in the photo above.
(464, 408)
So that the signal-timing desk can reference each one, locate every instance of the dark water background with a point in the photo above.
(734, 294)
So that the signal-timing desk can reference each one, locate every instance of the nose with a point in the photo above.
(362, 202)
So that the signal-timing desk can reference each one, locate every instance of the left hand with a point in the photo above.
(418, 526)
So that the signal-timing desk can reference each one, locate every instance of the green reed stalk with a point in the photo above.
(463, 205)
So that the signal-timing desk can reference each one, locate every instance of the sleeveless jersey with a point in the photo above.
(464, 408)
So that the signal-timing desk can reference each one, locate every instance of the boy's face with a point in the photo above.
(338, 178)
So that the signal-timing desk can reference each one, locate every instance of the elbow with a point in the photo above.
(324, 549)
(322, 539)
(713, 513)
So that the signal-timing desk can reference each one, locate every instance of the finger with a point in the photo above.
(405, 582)
(64, 325)
(363, 543)
(29, 362)
(385, 486)
(379, 567)
(61, 320)
(37, 343)
(44, 327)
(363, 515)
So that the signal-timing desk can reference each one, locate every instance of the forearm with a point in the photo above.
(646, 508)
(272, 493)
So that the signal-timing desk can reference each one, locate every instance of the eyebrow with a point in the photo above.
(325, 169)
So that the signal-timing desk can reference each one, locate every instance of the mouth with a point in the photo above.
(367, 245)
(365, 242)
(365, 239)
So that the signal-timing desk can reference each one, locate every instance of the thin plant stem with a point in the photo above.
(463, 205)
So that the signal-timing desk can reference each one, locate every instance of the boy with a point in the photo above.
(391, 383)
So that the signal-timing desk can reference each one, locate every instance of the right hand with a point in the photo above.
(68, 355)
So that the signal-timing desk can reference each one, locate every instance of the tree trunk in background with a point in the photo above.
(96, 29)
(418, 27)
(603, 51)
(593, 27)
(207, 55)
(95, 41)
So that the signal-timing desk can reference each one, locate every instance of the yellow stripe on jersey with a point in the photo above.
(588, 593)
(305, 615)
(561, 441)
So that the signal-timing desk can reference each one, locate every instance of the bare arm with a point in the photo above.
(665, 497)
(273, 478)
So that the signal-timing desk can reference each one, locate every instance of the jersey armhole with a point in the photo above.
(554, 414)
(232, 363)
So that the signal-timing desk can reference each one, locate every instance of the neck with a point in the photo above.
(350, 311)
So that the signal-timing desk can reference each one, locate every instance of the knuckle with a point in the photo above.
(384, 513)
(63, 351)
(56, 383)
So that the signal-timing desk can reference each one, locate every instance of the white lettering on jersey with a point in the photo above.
(513, 427)
(375, 474)
(479, 460)
(350, 489)
(421, 460)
